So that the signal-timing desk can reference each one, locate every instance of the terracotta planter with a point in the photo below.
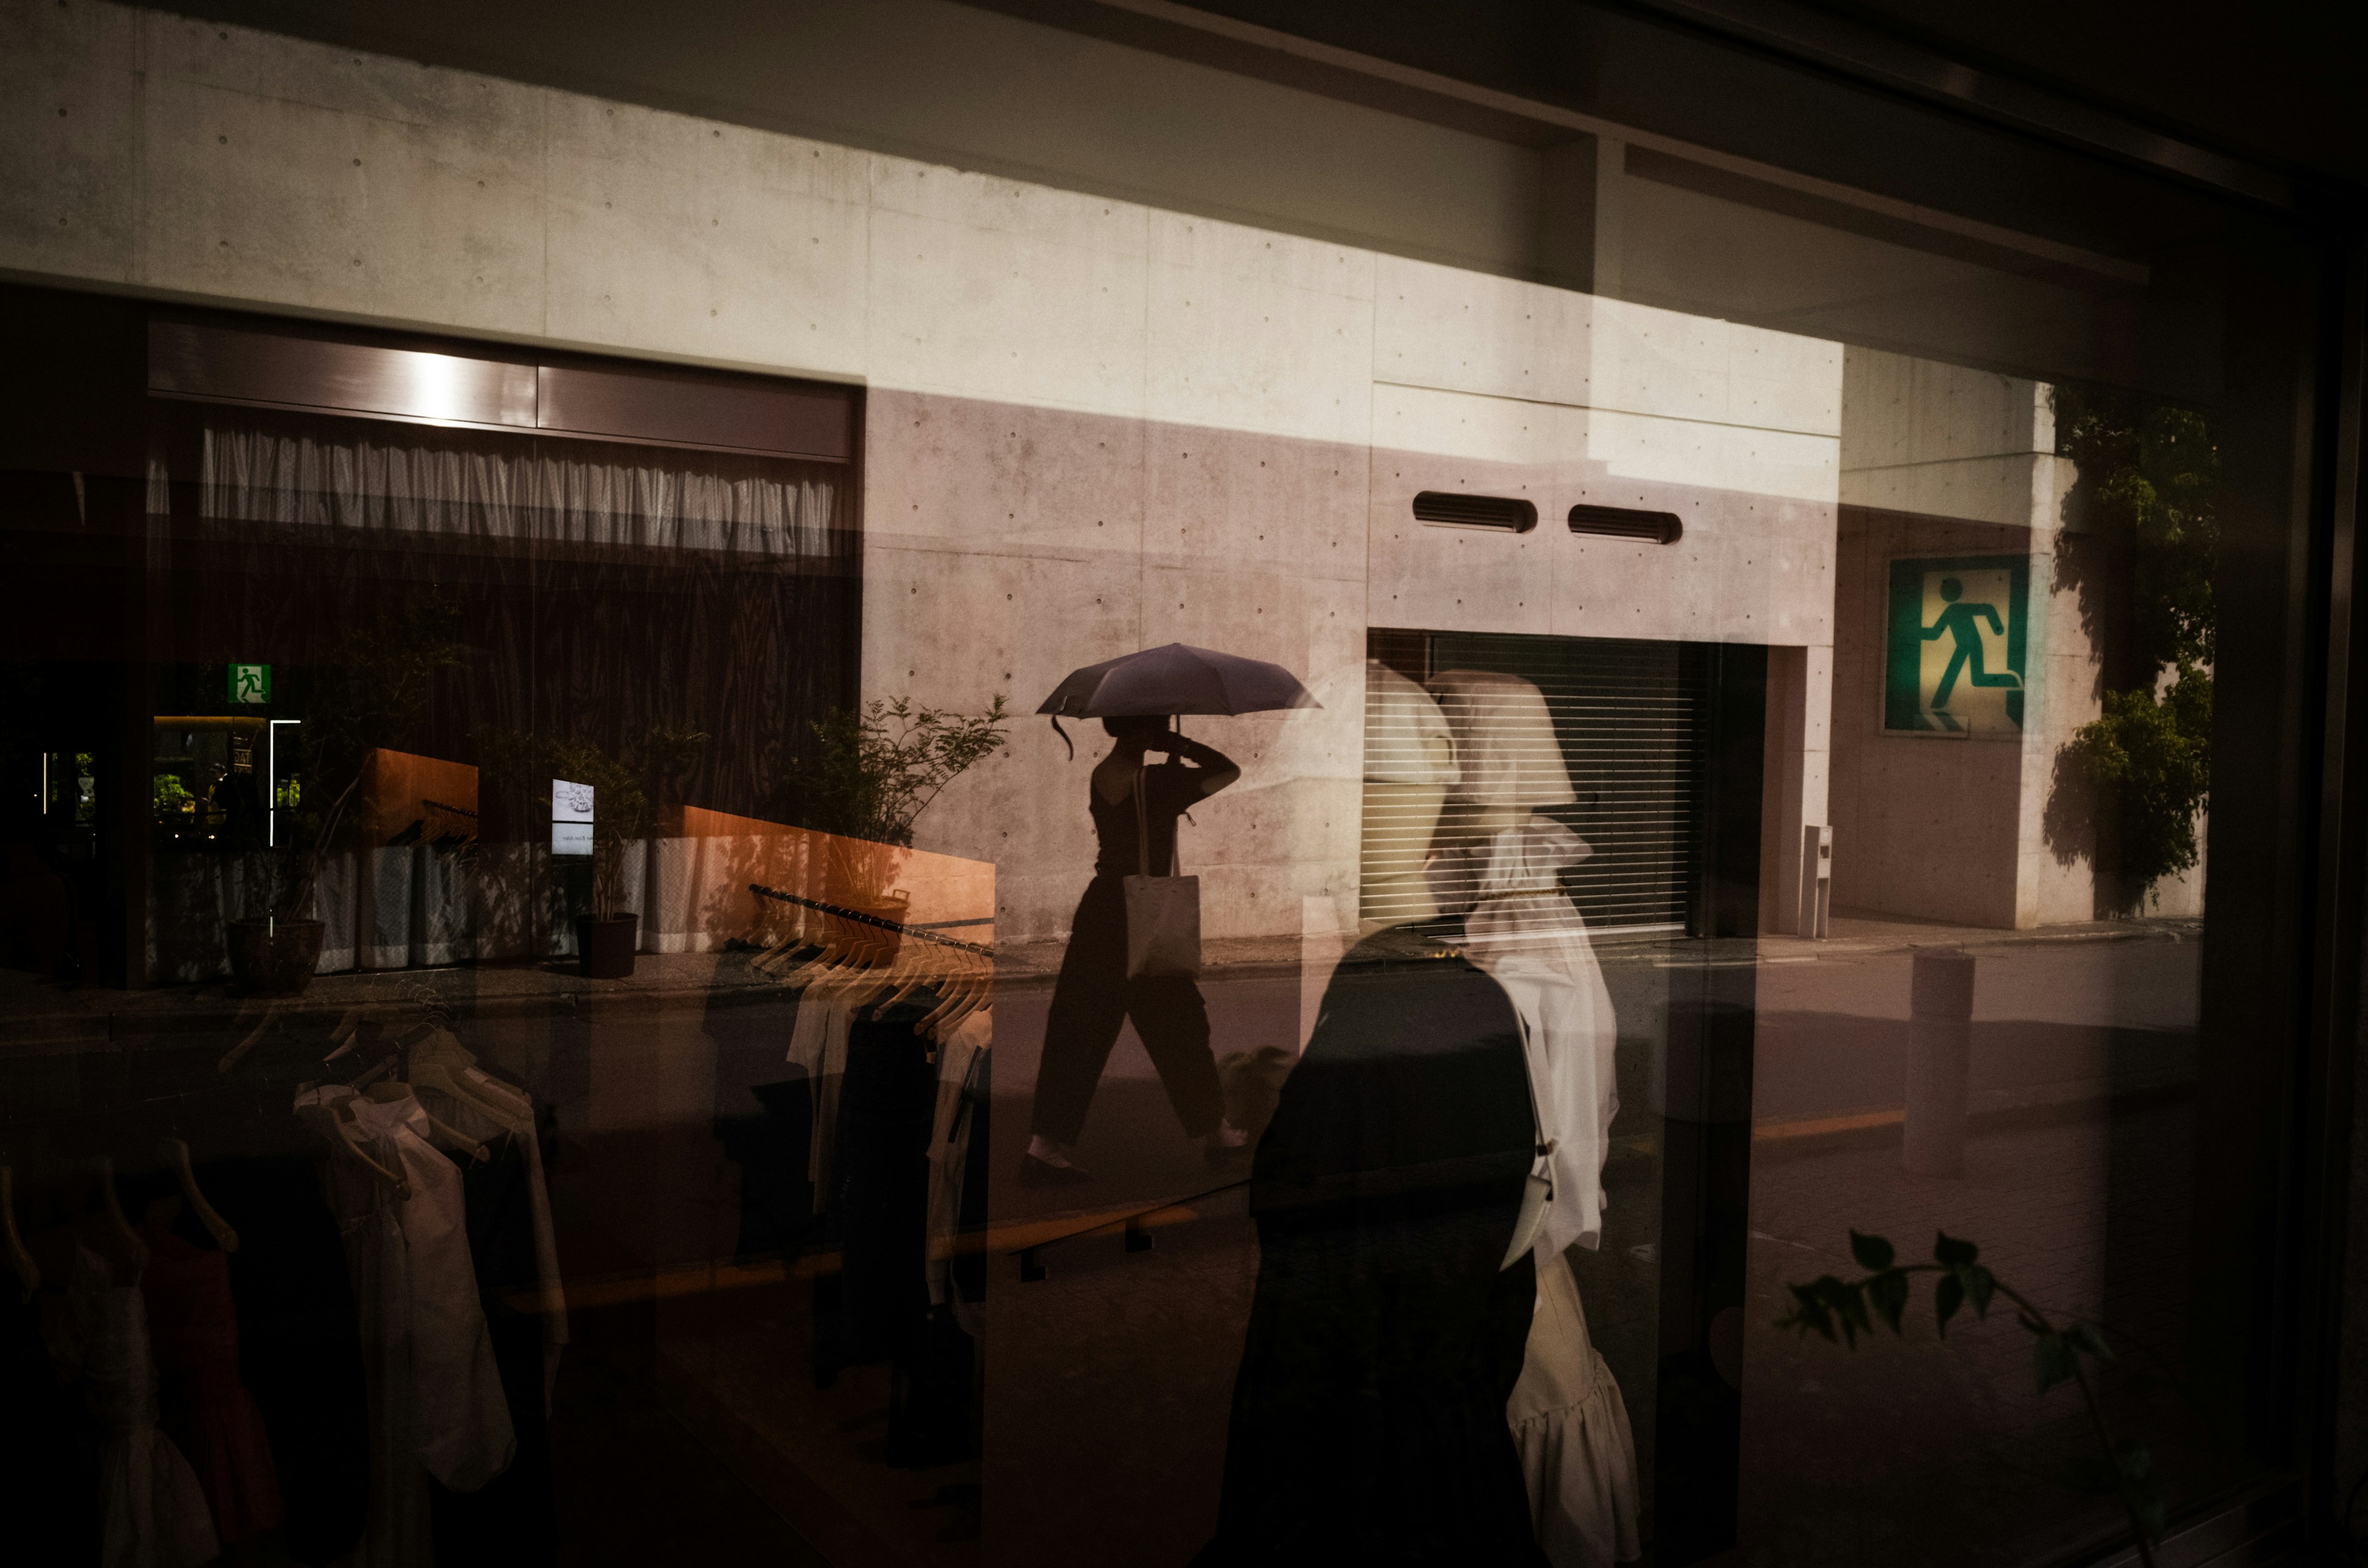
(604, 948)
(274, 957)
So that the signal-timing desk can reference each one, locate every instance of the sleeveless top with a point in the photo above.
(1169, 789)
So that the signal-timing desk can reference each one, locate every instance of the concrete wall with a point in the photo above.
(1941, 460)
(1093, 426)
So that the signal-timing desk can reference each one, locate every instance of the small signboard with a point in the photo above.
(571, 817)
(1959, 646)
(250, 683)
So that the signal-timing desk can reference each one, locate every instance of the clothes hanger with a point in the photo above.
(927, 969)
(342, 1118)
(28, 1272)
(440, 1061)
(394, 1094)
(117, 1223)
(969, 991)
(236, 1053)
(175, 1154)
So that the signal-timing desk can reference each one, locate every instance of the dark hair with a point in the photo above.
(1128, 726)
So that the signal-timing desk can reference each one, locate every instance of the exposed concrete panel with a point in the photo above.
(70, 122)
(1939, 460)
(1460, 330)
(1259, 502)
(670, 235)
(279, 171)
(1235, 353)
(1443, 327)
(958, 473)
(987, 312)
(1091, 425)
(951, 628)
(1455, 579)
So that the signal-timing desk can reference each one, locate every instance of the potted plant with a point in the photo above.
(625, 783)
(864, 776)
(373, 686)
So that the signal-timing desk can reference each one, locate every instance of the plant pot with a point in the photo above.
(274, 957)
(604, 946)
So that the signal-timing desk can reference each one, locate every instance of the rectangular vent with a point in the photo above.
(1502, 512)
(1627, 522)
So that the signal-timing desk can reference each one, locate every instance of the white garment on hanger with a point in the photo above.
(818, 1044)
(1526, 934)
(958, 1061)
(548, 1283)
(437, 1405)
(1579, 1455)
(155, 1514)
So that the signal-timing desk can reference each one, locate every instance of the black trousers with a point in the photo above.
(1093, 998)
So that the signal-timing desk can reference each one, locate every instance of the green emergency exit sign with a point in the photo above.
(250, 683)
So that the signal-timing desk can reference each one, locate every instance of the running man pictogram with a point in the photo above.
(1960, 620)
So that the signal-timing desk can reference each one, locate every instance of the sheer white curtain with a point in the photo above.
(386, 481)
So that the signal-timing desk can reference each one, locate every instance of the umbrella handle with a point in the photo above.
(1064, 737)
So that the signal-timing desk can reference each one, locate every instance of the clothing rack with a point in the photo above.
(860, 918)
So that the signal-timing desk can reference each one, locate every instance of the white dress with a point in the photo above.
(155, 1513)
(1527, 935)
(436, 1400)
(1570, 1425)
(549, 1282)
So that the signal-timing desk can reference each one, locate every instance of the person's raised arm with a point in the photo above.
(1214, 768)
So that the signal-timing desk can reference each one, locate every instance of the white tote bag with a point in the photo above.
(1163, 914)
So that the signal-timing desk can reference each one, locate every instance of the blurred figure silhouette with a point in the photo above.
(1094, 995)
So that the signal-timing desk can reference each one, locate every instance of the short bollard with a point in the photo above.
(1940, 1061)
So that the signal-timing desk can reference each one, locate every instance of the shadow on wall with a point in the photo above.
(2078, 820)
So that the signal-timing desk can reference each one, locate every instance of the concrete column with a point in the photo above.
(1569, 179)
(1940, 1062)
(1611, 230)
(1800, 703)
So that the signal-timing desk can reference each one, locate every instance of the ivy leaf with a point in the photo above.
(1809, 1314)
(1952, 1254)
(1947, 1299)
(2052, 1360)
(1872, 1253)
(1850, 1306)
(1980, 1286)
(1888, 1292)
(2085, 1337)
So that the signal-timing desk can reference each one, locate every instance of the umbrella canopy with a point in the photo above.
(1178, 678)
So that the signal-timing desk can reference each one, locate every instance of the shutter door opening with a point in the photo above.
(1632, 721)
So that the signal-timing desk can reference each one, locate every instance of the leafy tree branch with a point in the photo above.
(1842, 1310)
(868, 774)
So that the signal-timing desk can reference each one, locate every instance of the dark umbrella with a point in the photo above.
(1178, 678)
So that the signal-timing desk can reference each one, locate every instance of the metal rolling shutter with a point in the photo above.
(1632, 719)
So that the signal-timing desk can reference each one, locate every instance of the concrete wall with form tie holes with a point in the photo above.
(1093, 424)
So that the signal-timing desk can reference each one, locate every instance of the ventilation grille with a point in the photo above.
(1623, 522)
(1502, 512)
(1630, 719)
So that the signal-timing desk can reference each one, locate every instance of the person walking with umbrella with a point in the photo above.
(1135, 804)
